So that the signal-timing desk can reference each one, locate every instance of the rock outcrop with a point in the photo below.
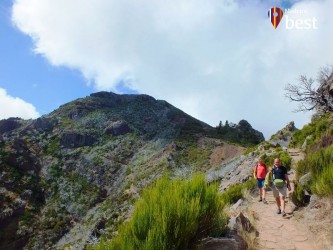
(9, 125)
(73, 139)
(283, 137)
(117, 128)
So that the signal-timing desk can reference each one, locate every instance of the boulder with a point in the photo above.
(117, 128)
(237, 204)
(99, 227)
(240, 223)
(305, 142)
(43, 123)
(313, 200)
(72, 139)
(243, 223)
(305, 179)
(232, 242)
(291, 126)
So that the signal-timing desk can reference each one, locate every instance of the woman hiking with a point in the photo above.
(259, 172)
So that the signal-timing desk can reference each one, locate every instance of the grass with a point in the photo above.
(320, 166)
(319, 125)
(172, 214)
(298, 196)
(323, 182)
(251, 149)
(192, 155)
(236, 191)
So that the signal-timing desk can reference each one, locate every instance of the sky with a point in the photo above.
(216, 60)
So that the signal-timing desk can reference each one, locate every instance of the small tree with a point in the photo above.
(219, 128)
(313, 95)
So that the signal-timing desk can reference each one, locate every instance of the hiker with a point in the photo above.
(280, 185)
(260, 171)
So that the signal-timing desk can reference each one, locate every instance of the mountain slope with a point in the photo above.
(72, 175)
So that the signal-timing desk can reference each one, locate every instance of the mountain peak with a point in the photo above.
(283, 136)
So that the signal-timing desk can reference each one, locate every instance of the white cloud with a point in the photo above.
(15, 107)
(215, 59)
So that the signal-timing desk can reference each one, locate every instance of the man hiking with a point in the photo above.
(280, 185)
(260, 171)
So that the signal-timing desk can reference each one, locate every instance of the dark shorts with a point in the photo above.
(260, 182)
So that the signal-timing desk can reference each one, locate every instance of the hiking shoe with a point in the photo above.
(283, 214)
(265, 202)
(278, 211)
(260, 199)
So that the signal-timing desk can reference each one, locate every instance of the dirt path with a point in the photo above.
(275, 231)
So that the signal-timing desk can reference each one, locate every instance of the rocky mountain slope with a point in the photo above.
(71, 176)
(309, 205)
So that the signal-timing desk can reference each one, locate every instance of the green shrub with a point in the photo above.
(53, 146)
(251, 149)
(285, 159)
(322, 183)
(320, 160)
(235, 192)
(319, 125)
(250, 185)
(282, 155)
(27, 217)
(278, 149)
(301, 169)
(320, 165)
(172, 214)
(297, 195)
(192, 155)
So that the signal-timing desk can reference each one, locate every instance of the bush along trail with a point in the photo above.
(275, 231)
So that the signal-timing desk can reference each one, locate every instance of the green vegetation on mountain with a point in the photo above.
(172, 214)
(316, 138)
(314, 174)
(321, 125)
(320, 165)
(241, 133)
(279, 153)
(72, 176)
(236, 191)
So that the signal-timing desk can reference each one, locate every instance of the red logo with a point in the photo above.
(275, 14)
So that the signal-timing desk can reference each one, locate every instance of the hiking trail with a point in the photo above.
(275, 231)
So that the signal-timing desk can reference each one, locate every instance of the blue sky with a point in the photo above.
(29, 76)
(201, 56)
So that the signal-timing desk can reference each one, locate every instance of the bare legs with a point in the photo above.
(280, 202)
(262, 192)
